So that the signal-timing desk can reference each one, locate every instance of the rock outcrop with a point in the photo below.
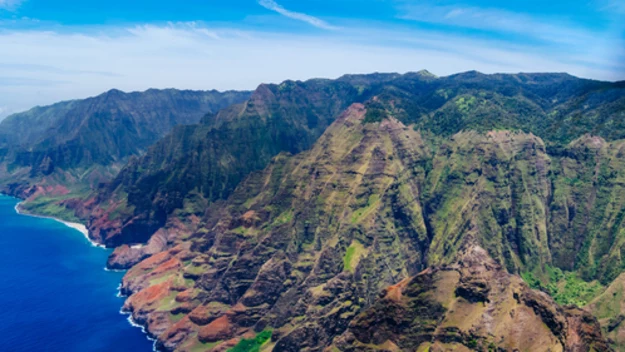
(473, 305)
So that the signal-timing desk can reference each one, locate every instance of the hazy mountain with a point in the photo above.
(82, 142)
(106, 128)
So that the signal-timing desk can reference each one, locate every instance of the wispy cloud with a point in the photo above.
(273, 6)
(10, 5)
(496, 20)
(616, 6)
(83, 62)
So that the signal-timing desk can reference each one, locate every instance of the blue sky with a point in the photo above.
(54, 50)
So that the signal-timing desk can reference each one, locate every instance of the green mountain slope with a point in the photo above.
(197, 165)
(304, 246)
(70, 147)
(103, 129)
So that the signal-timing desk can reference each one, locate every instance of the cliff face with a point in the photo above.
(197, 165)
(472, 305)
(305, 246)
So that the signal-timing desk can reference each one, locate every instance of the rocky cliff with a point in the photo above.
(307, 245)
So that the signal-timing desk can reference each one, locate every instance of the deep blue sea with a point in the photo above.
(54, 293)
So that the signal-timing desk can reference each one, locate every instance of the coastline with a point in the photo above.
(85, 232)
(143, 328)
(73, 225)
(14, 205)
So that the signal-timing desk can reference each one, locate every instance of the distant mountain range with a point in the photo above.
(101, 131)
(384, 212)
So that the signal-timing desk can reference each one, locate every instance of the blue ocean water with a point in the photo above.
(54, 293)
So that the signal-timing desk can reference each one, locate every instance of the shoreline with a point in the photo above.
(72, 225)
(133, 323)
(143, 328)
(85, 232)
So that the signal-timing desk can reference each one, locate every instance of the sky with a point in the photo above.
(53, 50)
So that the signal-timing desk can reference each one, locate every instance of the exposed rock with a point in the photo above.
(219, 329)
(424, 313)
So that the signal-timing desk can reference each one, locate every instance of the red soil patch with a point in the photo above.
(150, 295)
(395, 292)
(218, 329)
(171, 264)
(249, 218)
(185, 296)
(238, 308)
(203, 315)
(183, 324)
(153, 261)
(176, 250)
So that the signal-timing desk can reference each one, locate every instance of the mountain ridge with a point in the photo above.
(80, 143)
(407, 97)
(283, 217)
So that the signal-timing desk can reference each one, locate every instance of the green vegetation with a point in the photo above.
(565, 288)
(472, 343)
(401, 196)
(252, 345)
(362, 213)
(374, 115)
(609, 304)
(352, 256)
(160, 280)
(177, 317)
(576, 291)
(169, 302)
(347, 260)
(49, 206)
(195, 269)
(464, 104)
(284, 218)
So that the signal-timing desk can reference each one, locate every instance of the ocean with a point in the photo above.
(55, 294)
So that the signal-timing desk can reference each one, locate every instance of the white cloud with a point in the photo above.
(496, 20)
(10, 5)
(273, 6)
(591, 47)
(41, 67)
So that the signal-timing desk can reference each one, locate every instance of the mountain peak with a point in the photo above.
(426, 73)
(114, 92)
